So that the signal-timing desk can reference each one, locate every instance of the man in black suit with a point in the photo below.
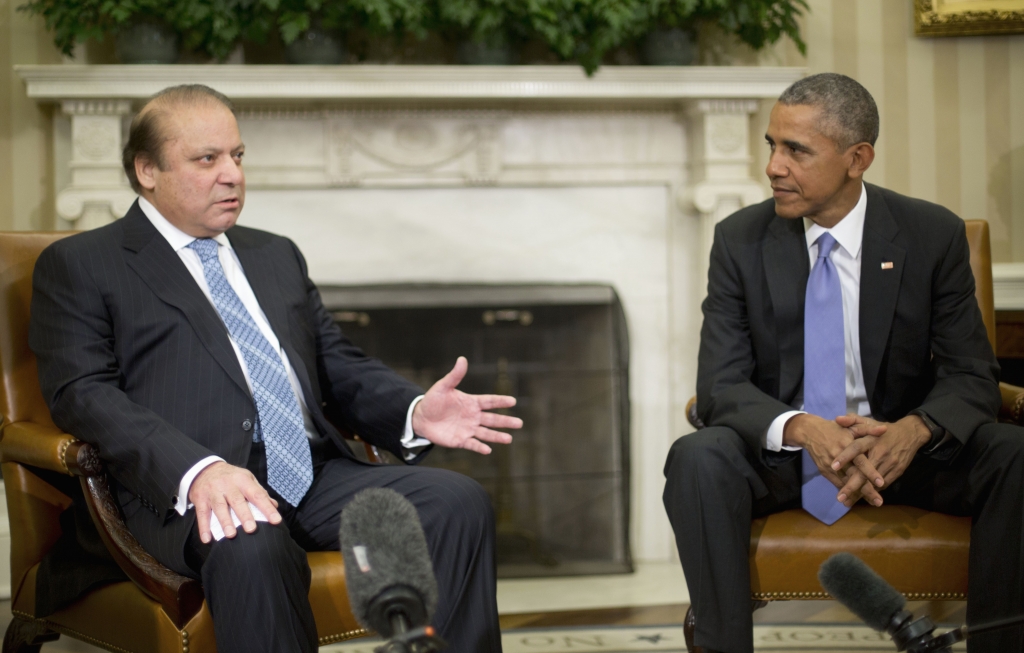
(915, 375)
(198, 357)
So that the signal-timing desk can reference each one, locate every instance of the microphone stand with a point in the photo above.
(942, 643)
(410, 640)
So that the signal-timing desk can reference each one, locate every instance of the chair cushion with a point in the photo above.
(922, 554)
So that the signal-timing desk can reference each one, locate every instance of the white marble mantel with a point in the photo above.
(473, 174)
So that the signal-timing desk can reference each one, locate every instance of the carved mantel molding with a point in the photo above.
(395, 126)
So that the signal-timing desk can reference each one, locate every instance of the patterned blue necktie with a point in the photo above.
(279, 419)
(824, 372)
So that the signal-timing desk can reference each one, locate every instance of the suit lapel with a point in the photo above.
(159, 267)
(786, 268)
(879, 287)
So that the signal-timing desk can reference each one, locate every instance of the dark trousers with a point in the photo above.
(257, 584)
(716, 485)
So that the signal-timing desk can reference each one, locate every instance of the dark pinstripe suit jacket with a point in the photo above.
(134, 359)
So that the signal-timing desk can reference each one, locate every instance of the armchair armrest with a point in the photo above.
(1012, 409)
(46, 447)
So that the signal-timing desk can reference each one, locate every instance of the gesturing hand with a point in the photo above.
(451, 418)
(221, 488)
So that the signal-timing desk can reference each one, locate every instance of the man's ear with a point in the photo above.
(862, 155)
(145, 171)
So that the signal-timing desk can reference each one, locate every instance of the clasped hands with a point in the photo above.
(859, 455)
(446, 416)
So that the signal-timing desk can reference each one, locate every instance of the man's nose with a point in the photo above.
(231, 173)
(775, 168)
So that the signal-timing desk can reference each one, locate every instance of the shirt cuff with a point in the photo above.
(412, 444)
(181, 502)
(773, 436)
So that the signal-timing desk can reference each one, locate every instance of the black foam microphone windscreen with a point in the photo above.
(383, 545)
(859, 588)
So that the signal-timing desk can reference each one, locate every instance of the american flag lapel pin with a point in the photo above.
(886, 265)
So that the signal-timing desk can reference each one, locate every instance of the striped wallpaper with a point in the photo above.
(952, 109)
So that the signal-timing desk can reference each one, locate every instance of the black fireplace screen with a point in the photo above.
(561, 490)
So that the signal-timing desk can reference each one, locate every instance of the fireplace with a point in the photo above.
(561, 491)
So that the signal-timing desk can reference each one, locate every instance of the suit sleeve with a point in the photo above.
(361, 393)
(726, 392)
(966, 390)
(72, 335)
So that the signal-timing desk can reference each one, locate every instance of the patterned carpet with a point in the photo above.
(803, 638)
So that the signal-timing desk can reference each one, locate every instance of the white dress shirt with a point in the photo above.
(179, 242)
(849, 233)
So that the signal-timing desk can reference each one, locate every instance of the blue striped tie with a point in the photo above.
(279, 419)
(824, 372)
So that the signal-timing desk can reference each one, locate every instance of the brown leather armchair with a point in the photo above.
(922, 554)
(156, 611)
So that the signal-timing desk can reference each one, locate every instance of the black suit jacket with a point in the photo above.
(923, 342)
(134, 359)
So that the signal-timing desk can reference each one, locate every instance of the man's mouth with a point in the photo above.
(231, 201)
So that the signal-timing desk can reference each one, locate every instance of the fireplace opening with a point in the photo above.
(560, 491)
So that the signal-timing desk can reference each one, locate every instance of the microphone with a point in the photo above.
(867, 595)
(390, 579)
(876, 602)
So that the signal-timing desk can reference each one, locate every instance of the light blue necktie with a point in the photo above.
(824, 372)
(279, 419)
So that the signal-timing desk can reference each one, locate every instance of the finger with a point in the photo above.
(868, 470)
(497, 421)
(203, 515)
(846, 456)
(851, 490)
(861, 430)
(452, 379)
(238, 503)
(267, 506)
(220, 509)
(491, 402)
(847, 420)
(477, 446)
(487, 435)
(871, 495)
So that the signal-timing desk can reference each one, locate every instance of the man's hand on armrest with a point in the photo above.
(222, 488)
(890, 453)
(824, 441)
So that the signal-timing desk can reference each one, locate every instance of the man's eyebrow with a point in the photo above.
(796, 145)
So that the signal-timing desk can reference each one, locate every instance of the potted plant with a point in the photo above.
(485, 31)
(584, 30)
(673, 24)
(302, 23)
(213, 27)
(142, 28)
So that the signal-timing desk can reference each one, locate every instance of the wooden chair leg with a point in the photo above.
(690, 623)
(27, 636)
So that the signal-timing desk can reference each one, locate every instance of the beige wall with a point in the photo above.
(952, 109)
(26, 160)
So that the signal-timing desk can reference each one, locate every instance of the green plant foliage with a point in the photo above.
(576, 30)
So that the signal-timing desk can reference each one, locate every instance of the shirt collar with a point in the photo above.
(177, 238)
(848, 232)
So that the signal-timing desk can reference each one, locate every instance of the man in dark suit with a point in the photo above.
(841, 320)
(198, 358)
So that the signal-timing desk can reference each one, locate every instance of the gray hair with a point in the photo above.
(848, 112)
(146, 134)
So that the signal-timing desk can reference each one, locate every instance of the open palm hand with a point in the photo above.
(451, 418)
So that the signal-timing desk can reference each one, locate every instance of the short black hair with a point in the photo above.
(146, 136)
(849, 114)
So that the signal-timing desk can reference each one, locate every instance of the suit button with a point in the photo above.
(246, 425)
